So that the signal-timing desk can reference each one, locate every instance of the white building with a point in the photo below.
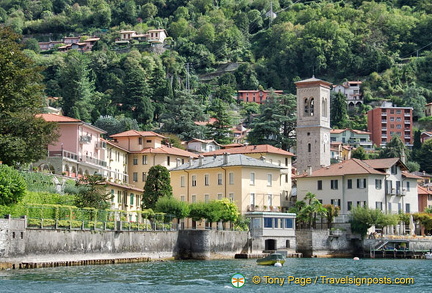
(377, 184)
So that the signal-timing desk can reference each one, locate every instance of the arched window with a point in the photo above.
(311, 106)
(306, 106)
(324, 107)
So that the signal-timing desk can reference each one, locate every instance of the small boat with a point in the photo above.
(428, 255)
(272, 259)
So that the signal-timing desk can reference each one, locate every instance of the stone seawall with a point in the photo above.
(323, 243)
(20, 243)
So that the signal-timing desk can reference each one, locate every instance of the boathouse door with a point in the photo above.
(270, 244)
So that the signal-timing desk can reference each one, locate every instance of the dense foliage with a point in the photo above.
(158, 185)
(12, 186)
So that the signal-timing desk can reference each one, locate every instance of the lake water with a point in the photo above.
(216, 276)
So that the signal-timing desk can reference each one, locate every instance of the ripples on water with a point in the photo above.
(214, 276)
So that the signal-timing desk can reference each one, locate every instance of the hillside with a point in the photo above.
(385, 44)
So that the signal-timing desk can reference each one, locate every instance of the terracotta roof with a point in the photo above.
(210, 121)
(337, 131)
(232, 145)
(348, 167)
(125, 186)
(249, 149)
(203, 140)
(58, 118)
(114, 144)
(411, 175)
(383, 163)
(423, 190)
(167, 150)
(312, 80)
(133, 133)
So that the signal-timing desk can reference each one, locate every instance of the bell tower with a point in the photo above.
(313, 124)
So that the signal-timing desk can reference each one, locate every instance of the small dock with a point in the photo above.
(261, 255)
(69, 263)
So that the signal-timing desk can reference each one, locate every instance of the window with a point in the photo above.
(135, 161)
(349, 183)
(389, 207)
(194, 182)
(378, 205)
(140, 140)
(231, 178)
(182, 181)
(193, 198)
(182, 198)
(112, 195)
(378, 184)
(270, 200)
(407, 208)
(144, 176)
(131, 199)
(219, 179)
(268, 222)
(148, 141)
(252, 179)
(319, 184)
(311, 107)
(219, 196)
(334, 184)
(309, 147)
(206, 198)
(394, 169)
(144, 159)
(288, 223)
(269, 180)
(350, 205)
(135, 176)
(252, 199)
(206, 179)
(119, 197)
(168, 160)
(407, 186)
(335, 202)
(231, 197)
(361, 183)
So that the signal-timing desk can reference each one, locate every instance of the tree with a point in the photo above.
(24, 138)
(172, 206)
(158, 184)
(220, 130)
(359, 153)
(92, 192)
(77, 90)
(331, 213)
(276, 124)
(395, 148)
(362, 218)
(12, 186)
(425, 156)
(338, 111)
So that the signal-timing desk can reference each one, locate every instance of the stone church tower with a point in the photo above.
(313, 124)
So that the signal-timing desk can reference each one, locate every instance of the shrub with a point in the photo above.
(12, 186)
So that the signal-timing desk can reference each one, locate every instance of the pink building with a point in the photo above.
(79, 150)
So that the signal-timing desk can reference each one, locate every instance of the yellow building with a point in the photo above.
(251, 183)
(272, 155)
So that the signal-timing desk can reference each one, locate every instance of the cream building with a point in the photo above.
(146, 150)
(380, 184)
(251, 183)
(272, 155)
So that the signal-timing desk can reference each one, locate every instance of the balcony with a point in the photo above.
(101, 145)
(85, 139)
(65, 155)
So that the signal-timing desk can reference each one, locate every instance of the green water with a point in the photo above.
(215, 276)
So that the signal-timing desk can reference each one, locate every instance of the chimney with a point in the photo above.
(309, 170)
(200, 160)
(225, 158)
(178, 162)
(263, 158)
(190, 161)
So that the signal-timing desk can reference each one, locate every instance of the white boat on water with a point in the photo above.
(428, 255)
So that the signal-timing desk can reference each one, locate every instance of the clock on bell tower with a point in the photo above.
(313, 124)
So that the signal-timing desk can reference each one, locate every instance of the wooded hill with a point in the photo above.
(386, 44)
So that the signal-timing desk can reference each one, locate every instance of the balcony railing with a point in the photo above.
(77, 158)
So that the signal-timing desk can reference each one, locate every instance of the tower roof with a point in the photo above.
(312, 81)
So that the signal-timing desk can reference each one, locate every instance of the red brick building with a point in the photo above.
(387, 121)
(256, 96)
